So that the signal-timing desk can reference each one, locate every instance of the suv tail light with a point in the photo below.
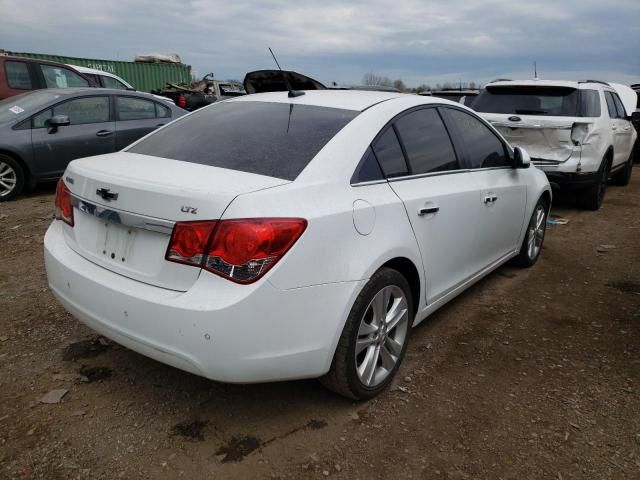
(239, 250)
(182, 101)
(64, 209)
(579, 132)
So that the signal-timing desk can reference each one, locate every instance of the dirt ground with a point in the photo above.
(531, 374)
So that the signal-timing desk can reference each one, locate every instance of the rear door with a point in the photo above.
(503, 195)
(417, 156)
(625, 131)
(135, 117)
(91, 132)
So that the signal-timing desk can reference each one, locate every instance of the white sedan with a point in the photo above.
(272, 237)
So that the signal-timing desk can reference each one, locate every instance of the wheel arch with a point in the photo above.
(409, 270)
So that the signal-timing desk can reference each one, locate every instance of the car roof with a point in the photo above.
(358, 100)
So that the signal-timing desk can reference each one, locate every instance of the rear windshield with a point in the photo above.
(551, 101)
(273, 139)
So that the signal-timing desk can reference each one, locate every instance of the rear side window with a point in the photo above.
(426, 142)
(619, 106)
(109, 82)
(162, 111)
(368, 170)
(589, 103)
(483, 149)
(526, 100)
(18, 75)
(611, 105)
(389, 154)
(274, 139)
(131, 108)
(58, 77)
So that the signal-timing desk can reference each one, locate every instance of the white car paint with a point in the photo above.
(287, 324)
(548, 138)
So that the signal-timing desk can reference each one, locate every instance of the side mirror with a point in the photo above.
(521, 158)
(57, 121)
(635, 117)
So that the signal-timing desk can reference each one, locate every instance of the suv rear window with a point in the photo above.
(525, 100)
(273, 139)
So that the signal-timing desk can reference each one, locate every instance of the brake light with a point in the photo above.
(182, 101)
(64, 209)
(579, 132)
(239, 250)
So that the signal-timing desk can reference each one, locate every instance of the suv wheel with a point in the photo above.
(591, 198)
(623, 177)
(11, 178)
(374, 339)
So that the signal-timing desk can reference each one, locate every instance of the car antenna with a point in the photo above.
(535, 70)
(292, 92)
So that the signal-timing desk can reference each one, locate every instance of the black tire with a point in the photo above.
(10, 170)
(343, 377)
(623, 177)
(591, 198)
(526, 258)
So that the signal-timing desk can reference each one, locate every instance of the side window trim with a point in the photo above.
(465, 163)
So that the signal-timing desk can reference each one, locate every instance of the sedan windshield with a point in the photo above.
(525, 100)
(23, 105)
(272, 139)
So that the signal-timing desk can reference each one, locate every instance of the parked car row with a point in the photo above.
(42, 131)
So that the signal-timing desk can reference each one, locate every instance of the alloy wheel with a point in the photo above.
(8, 179)
(536, 232)
(381, 335)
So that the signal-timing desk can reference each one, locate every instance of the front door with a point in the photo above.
(91, 132)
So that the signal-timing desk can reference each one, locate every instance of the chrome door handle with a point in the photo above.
(104, 133)
(428, 210)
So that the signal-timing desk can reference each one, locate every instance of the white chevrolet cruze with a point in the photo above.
(272, 238)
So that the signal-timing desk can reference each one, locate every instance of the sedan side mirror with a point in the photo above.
(521, 158)
(635, 117)
(57, 121)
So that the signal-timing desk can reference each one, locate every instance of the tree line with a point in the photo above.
(373, 80)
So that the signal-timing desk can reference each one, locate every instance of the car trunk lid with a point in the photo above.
(126, 205)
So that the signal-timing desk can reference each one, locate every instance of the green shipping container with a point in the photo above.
(143, 76)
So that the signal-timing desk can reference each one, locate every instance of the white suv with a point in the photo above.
(579, 133)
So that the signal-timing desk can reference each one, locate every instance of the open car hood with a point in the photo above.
(628, 96)
(262, 81)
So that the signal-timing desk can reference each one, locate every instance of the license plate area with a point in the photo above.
(118, 242)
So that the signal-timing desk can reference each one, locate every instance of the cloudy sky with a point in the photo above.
(427, 41)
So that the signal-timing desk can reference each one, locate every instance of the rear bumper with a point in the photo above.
(217, 329)
(571, 181)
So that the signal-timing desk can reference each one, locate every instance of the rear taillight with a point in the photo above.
(579, 132)
(182, 101)
(239, 250)
(64, 209)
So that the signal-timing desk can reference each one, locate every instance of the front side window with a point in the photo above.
(426, 142)
(40, 120)
(84, 110)
(527, 100)
(58, 77)
(273, 139)
(110, 82)
(483, 149)
(611, 105)
(18, 75)
(131, 108)
(389, 154)
(590, 103)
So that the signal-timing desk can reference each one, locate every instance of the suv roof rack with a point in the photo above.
(594, 81)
